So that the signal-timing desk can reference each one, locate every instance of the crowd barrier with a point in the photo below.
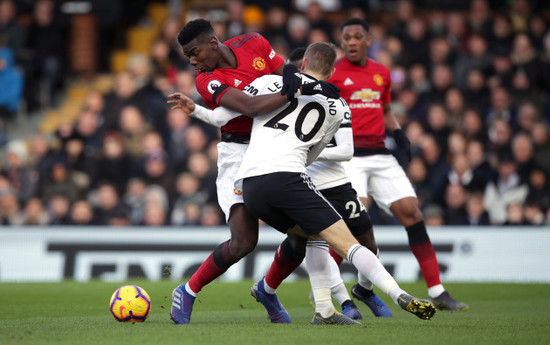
(465, 254)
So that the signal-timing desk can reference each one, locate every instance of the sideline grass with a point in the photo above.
(77, 313)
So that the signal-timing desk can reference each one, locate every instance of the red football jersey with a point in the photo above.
(366, 89)
(255, 57)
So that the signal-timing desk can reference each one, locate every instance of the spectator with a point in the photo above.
(114, 164)
(81, 213)
(135, 198)
(59, 210)
(157, 171)
(11, 84)
(22, 179)
(9, 209)
(123, 94)
(442, 80)
(461, 173)
(481, 169)
(417, 174)
(501, 37)
(44, 57)
(505, 189)
(476, 212)
(61, 182)
(524, 56)
(541, 141)
(433, 215)
(12, 34)
(437, 166)
(188, 189)
(533, 213)
(527, 116)
(210, 215)
(522, 150)
(476, 94)
(108, 205)
(133, 128)
(438, 125)
(476, 57)
(480, 17)
(539, 188)
(514, 215)
(455, 200)
(34, 214)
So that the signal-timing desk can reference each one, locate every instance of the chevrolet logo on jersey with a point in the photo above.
(365, 95)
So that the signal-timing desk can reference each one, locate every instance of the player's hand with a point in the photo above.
(182, 102)
(321, 87)
(292, 81)
(403, 142)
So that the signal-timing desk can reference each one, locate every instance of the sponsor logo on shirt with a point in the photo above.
(237, 192)
(348, 81)
(213, 85)
(272, 54)
(258, 63)
(237, 82)
(378, 79)
(365, 95)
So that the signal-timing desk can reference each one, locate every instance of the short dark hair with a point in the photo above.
(296, 54)
(321, 57)
(193, 30)
(355, 21)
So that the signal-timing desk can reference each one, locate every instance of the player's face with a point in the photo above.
(201, 55)
(355, 41)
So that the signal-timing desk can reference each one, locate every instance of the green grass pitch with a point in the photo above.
(224, 313)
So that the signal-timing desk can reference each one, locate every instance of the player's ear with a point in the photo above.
(331, 73)
(304, 64)
(213, 42)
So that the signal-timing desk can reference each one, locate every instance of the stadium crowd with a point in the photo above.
(471, 86)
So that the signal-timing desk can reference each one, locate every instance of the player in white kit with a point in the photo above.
(277, 189)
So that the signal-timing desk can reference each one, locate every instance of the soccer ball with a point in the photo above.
(130, 303)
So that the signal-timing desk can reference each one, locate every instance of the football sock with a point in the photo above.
(213, 267)
(422, 248)
(286, 260)
(364, 282)
(319, 263)
(336, 257)
(368, 264)
(189, 291)
(435, 290)
(340, 293)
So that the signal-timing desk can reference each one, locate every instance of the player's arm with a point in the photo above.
(238, 101)
(217, 117)
(316, 149)
(341, 146)
(398, 134)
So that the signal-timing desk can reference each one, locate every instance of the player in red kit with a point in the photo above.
(224, 70)
(365, 85)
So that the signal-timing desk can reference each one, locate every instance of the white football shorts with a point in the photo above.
(380, 176)
(230, 156)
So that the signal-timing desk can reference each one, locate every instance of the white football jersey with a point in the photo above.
(327, 171)
(291, 137)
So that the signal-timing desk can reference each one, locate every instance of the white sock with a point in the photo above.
(340, 293)
(323, 302)
(189, 291)
(318, 263)
(368, 265)
(364, 281)
(269, 289)
(436, 290)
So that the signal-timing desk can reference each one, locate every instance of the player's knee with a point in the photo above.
(241, 247)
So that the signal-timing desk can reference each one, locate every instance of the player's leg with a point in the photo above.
(407, 212)
(392, 190)
(343, 242)
(244, 234)
(288, 257)
(345, 201)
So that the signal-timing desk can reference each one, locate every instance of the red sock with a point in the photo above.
(425, 255)
(281, 268)
(205, 274)
(335, 256)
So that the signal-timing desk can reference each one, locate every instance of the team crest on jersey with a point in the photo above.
(213, 85)
(365, 95)
(237, 192)
(237, 82)
(378, 79)
(258, 63)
